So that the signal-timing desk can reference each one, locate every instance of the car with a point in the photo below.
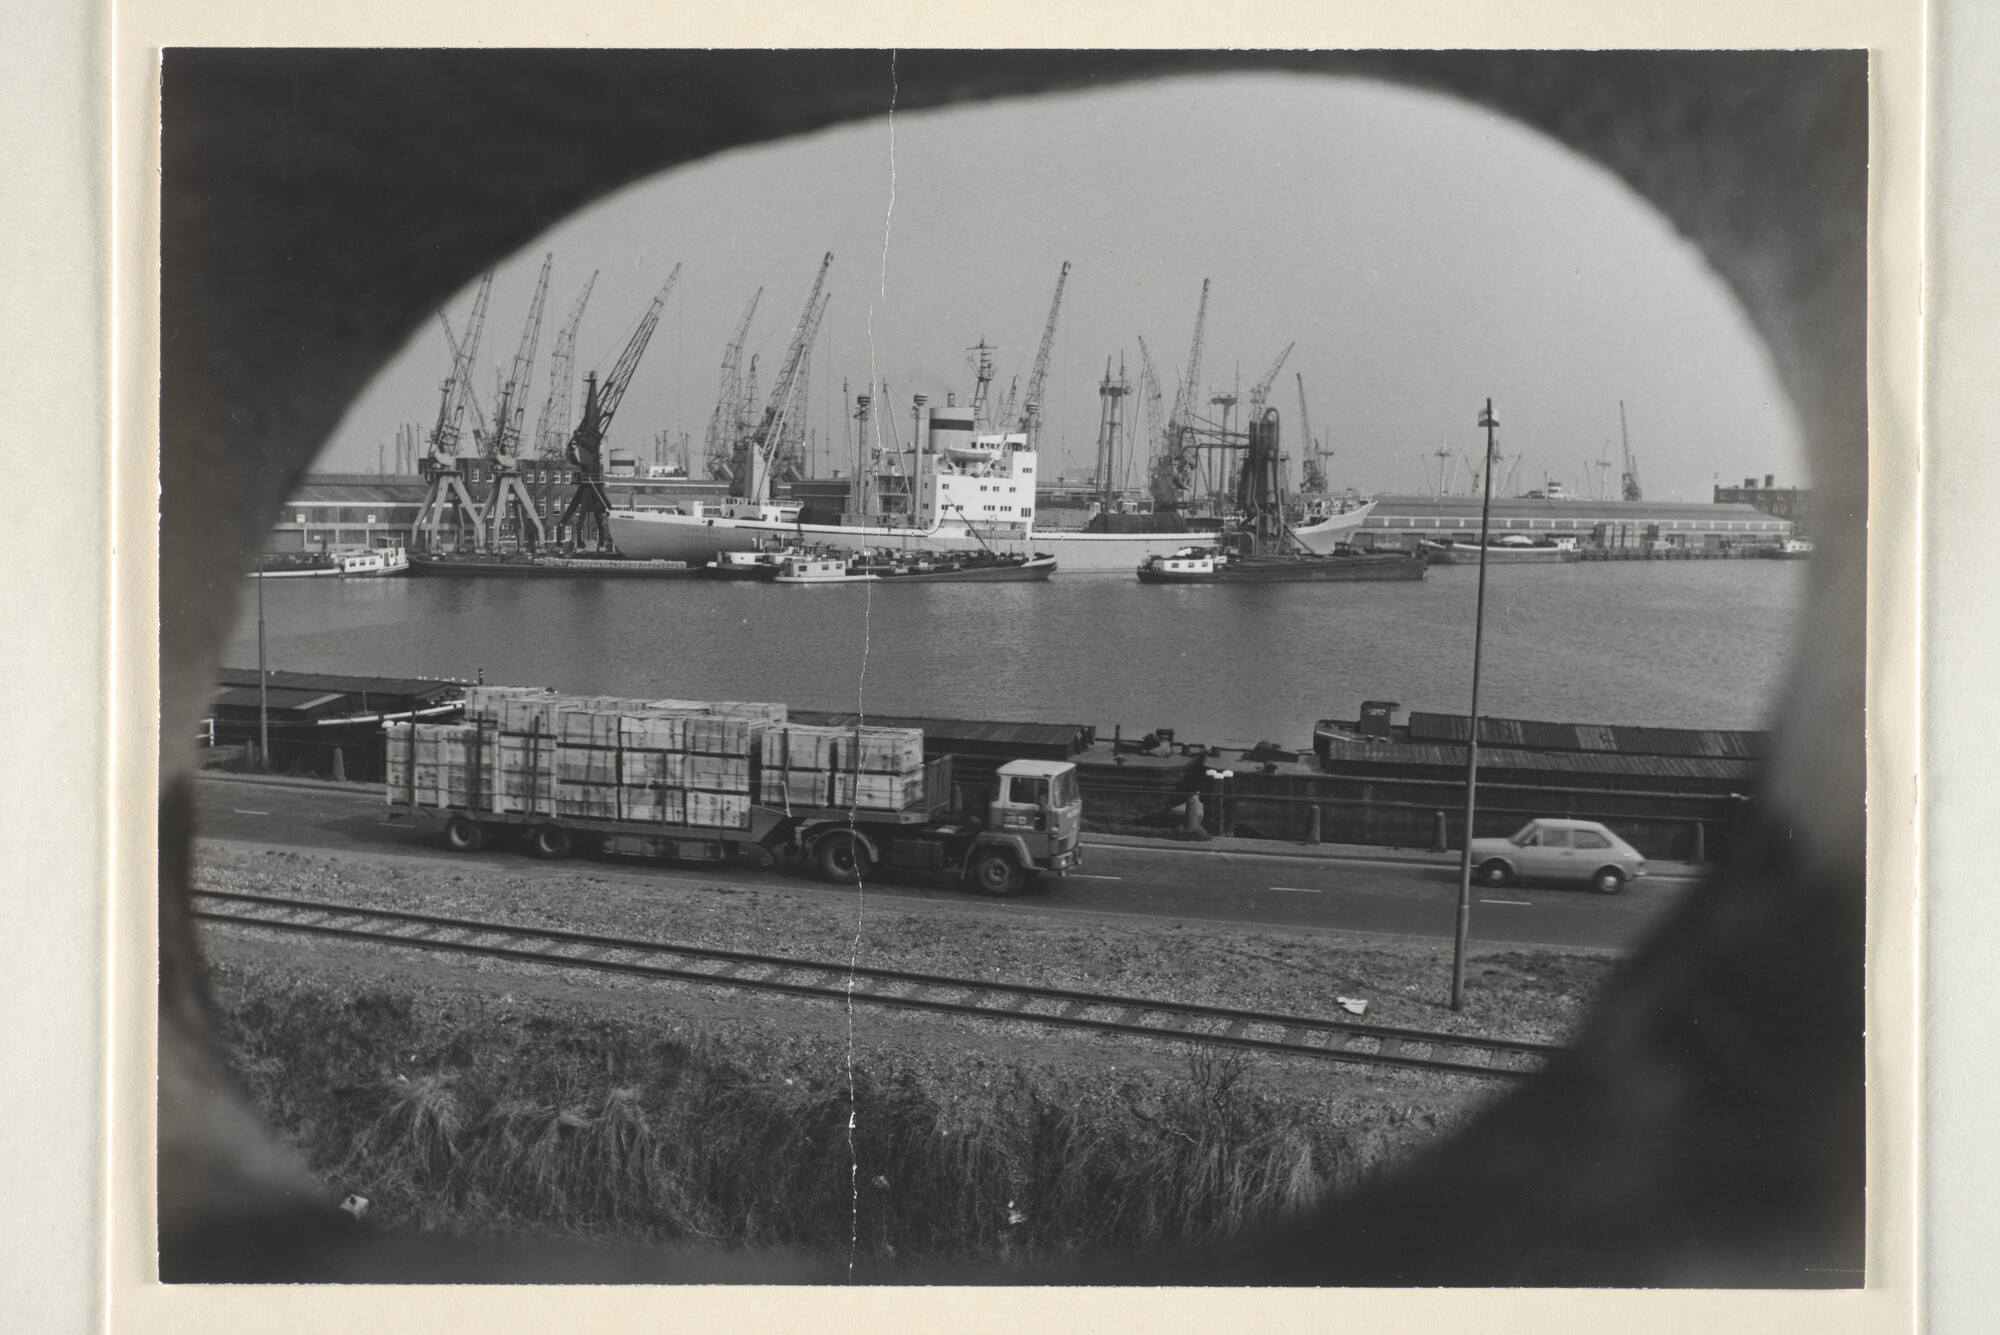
(1559, 850)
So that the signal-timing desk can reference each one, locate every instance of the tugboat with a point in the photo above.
(332, 563)
(1262, 548)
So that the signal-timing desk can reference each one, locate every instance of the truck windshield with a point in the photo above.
(1063, 789)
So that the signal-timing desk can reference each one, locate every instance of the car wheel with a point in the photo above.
(550, 841)
(463, 835)
(994, 872)
(1607, 880)
(842, 859)
(1495, 872)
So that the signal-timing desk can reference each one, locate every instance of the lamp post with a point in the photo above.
(1487, 420)
(263, 692)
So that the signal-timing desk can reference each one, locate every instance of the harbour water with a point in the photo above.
(1672, 644)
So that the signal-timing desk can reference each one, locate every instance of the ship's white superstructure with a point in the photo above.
(971, 491)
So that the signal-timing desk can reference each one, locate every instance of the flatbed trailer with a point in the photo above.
(998, 853)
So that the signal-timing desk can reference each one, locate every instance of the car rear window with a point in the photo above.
(1590, 839)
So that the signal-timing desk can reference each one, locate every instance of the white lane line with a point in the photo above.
(1087, 876)
(1518, 903)
(241, 812)
(1299, 889)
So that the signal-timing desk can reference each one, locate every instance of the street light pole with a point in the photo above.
(1487, 420)
(263, 691)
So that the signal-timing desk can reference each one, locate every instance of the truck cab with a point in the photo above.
(1034, 823)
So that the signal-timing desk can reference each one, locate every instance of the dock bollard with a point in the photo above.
(1438, 844)
(1700, 845)
(1312, 824)
(340, 767)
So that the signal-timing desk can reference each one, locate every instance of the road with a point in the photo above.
(1392, 894)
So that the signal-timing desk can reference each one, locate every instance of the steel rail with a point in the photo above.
(982, 999)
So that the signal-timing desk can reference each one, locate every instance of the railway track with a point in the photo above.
(1336, 1040)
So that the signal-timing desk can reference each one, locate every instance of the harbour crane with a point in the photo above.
(583, 518)
(789, 463)
(446, 496)
(552, 427)
(758, 457)
(1031, 408)
(1312, 475)
(1628, 481)
(725, 425)
(507, 498)
(1160, 465)
(1179, 459)
(1262, 389)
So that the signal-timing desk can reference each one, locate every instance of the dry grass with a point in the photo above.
(458, 1112)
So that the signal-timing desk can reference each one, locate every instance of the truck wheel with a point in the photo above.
(842, 859)
(1607, 881)
(550, 841)
(463, 835)
(1495, 872)
(994, 872)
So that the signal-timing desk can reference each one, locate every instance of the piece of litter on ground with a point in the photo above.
(356, 1206)
(1353, 1005)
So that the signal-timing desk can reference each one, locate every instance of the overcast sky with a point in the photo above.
(1423, 254)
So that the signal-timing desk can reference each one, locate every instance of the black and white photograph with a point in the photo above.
(1151, 668)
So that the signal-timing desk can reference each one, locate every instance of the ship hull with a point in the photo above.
(1445, 554)
(1295, 570)
(549, 567)
(659, 535)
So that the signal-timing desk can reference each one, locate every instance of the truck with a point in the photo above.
(1030, 825)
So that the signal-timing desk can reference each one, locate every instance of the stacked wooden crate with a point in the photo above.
(873, 769)
(525, 751)
(438, 765)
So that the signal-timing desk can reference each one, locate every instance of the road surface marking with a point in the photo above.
(1087, 876)
(1518, 903)
(1299, 889)
(241, 812)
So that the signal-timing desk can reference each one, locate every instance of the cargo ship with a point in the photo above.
(1264, 547)
(971, 491)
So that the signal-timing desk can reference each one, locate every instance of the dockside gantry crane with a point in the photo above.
(1312, 475)
(508, 514)
(553, 426)
(1173, 469)
(726, 424)
(582, 522)
(1031, 407)
(1262, 390)
(446, 496)
(757, 456)
(1628, 481)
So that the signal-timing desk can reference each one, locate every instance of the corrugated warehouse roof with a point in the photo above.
(280, 699)
(1617, 738)
(427, 689)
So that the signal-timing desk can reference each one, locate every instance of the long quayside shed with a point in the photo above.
(313, 714)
